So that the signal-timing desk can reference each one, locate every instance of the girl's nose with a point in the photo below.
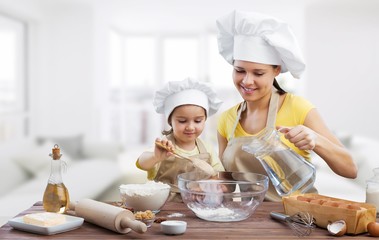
(189, 127)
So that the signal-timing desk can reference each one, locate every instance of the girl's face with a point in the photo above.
(253, 80)
(187, 122)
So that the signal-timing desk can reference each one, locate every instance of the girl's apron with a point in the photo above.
(171, 167)
(235, 159)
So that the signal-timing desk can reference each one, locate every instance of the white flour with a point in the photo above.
(141, 197)
(147, 189)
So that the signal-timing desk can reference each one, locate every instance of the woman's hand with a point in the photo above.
(301, 136)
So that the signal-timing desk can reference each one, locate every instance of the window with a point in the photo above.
(13, 108)
(140, 64)
(180, 58)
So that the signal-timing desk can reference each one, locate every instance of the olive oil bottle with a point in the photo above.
(56, 197)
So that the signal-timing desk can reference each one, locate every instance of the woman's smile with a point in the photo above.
(247, 90)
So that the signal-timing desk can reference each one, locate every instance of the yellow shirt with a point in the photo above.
(292, 112)
(215, 161)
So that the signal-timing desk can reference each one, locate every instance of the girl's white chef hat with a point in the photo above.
(187, 91)
(256, 37)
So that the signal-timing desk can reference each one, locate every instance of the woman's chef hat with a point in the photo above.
(187, 91)
(259, 38)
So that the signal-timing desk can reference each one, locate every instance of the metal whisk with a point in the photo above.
(301, 223)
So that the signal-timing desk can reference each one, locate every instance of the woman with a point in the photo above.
(260, 48)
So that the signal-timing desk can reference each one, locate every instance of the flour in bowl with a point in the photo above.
(146, 189)
(148, 196)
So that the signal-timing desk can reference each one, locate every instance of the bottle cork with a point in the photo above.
(56, 152)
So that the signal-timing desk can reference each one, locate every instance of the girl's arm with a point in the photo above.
(147, 160)
(315, 135)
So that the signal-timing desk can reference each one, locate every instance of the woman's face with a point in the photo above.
(187, 122)
(253, 80)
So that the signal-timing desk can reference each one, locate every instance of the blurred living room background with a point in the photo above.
(82, 73)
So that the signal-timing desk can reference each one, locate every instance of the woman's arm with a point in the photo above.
(315, 135)
(222, 142)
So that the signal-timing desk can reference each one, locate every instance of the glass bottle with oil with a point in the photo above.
(56, 197)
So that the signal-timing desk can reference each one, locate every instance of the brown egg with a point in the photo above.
(302, 198)
(330, 204)
(349, 206)
(317, 201)
(373, 229)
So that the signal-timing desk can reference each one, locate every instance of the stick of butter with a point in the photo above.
(44, 219)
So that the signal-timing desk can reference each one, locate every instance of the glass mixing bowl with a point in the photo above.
(226, 197)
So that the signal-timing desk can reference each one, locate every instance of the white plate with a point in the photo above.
(70, 224)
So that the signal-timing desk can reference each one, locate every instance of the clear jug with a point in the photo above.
(288, 171)
(372, 190)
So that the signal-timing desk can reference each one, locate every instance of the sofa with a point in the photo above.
(92, 171)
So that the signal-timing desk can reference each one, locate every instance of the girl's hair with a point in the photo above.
(168, 132)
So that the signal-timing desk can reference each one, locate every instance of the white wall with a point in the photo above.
(69, 53)
(342, 47)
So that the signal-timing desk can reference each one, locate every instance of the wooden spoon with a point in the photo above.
(200, 164)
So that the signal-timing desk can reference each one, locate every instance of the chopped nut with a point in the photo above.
(148, 214)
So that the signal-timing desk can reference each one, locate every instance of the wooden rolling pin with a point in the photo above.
(107, 216)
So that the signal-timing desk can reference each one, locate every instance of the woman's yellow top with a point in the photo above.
(292, 112)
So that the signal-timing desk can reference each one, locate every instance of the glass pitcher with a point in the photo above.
(288, 171)
(372, 190)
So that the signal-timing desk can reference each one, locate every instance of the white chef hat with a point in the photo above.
(259, 38)
(187, 91)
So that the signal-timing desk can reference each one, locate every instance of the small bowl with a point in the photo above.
(173, 227)
(226, 197)
(147, 222)
(147, 196)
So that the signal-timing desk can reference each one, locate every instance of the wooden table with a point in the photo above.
(258, 226)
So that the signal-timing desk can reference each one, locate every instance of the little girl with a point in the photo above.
(186, 105)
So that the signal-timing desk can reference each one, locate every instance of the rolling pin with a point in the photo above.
(107, 216)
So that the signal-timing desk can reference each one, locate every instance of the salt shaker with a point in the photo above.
(372, 190)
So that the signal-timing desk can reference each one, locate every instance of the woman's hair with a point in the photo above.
(281, 91)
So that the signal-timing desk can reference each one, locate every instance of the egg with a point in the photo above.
(304, 199)
(330, 204)
(337, 228)
(317, 201)
(349, 206)
(373, 229)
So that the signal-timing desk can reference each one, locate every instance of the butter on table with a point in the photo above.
(44, 219)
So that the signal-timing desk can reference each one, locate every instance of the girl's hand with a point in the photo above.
(164, 149)
(302, 137)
